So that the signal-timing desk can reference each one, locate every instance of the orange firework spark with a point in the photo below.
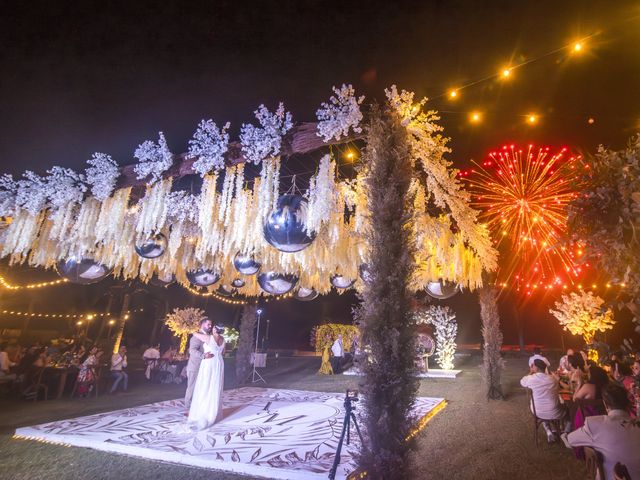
(523, 197)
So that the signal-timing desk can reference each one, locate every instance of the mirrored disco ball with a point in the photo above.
(225, 290)
(277, 283)
(162, 280)
(82, 270)
(238, 283)
(441, 289)
(203, 277)
(339, 281)
(284, 227)
(152, 247)
(305, 294)
(365, 274)
(245, 264)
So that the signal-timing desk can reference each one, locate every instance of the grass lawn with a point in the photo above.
(471, 438)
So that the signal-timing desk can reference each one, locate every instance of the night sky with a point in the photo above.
(81, 77)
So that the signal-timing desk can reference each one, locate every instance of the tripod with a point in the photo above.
(346, 427)
(255, 376)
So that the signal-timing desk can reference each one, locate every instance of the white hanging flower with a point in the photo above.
(182, 206)
(321, 196)
(340, 114)
(31, 193)
(261, 142)
(64, 186)
(445, 328)
(209, 144)
(154, 159)
(102, 175)
(8, 190)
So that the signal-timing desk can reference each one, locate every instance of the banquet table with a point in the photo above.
(62, 373)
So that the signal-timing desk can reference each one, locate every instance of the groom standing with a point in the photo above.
(196, 354)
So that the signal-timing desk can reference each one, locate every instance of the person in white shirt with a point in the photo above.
(537, 354)
(612, 435)
(337, 351)
(544, 390)
(6, 364)
(151, 356)
(118, 362)
(564, 361)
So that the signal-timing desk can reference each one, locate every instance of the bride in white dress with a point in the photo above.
(206, 406)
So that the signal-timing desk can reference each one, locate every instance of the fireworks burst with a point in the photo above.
(523, 197)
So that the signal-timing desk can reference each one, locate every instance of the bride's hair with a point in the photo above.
(219, 329)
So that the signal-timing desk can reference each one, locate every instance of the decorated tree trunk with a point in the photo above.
(389, 385)
(492, 361)
(245, 342)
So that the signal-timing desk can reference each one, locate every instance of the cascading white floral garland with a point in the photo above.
(445, 328)
(153, 209)
(8, 190)
(339, 115)
(321, 195)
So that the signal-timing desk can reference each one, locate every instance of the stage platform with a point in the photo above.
(268, 433)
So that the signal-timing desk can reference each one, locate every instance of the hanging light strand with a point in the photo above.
(9, 286)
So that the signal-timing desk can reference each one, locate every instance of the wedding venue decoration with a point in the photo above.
(184, 321)
(443, 320)
(606, 217)
(324, 335)
(583, 313)
(83, 271)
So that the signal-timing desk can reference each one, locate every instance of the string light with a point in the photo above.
(453, 94)
(350, 155)
(532, 119)
(86, 316)
(577, 47)
(217, 297)
(475, 117)
(4, 283)
(506, 73)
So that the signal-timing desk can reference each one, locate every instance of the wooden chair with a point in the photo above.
(595, 467)
(620, 472)
(32, 391)
(556, 424)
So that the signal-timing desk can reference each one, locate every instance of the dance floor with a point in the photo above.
(265, 432)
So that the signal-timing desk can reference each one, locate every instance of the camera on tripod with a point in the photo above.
(351, 396)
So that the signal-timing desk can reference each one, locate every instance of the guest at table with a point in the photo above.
(118, 363)
(577, 372)
(151, 356)
(564, 361)
(170, 354)
(621, 373)
(612, 435)
(5, 364)
(592, 388)
(544, 389)
(537, 355)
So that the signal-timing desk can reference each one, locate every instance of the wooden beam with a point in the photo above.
(302, 138)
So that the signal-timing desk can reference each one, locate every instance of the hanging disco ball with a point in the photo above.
(225, 290)
(284, 227)
(341, 282)
(162, 280)
(365, 274)
(305, 294)
(245, 264)
(442, 289)
(152, 247)
(238, 283)
(83, 271)
(203, 277)
(277, 283)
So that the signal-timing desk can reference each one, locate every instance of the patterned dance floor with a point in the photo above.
(271, 433)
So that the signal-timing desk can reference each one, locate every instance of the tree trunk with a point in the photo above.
(121, 322)
(492, 363)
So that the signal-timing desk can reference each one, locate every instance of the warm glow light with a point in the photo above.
(78, 323)
(112, 322)
(453, 94)
(532, 119)
(577, 47)
(475, 117)
(506, 73)
(591, 121)
(350, 155)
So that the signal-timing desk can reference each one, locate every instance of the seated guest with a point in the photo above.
(118, 362)
(621, 373)
(170, 354)
(564, 361)
(592, 388)
(613, 435)
(537, 355)
(544, 389)
(577, 372)
(5, 364)
(151, 356)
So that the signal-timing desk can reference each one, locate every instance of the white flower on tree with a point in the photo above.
(154, 159)
(583, 314)
(182, 206)
(64, 186)
(102, 175)
(31, 193)
(443, 320)
(209, 144)
(8, 190)
(264, 141)
(340, 114)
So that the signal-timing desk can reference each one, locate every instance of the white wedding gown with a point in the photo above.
(206, 405)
